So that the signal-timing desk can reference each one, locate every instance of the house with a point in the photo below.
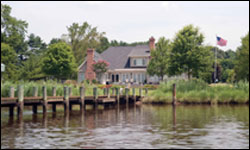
(128, 64)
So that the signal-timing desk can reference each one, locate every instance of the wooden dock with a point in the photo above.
(116, 98)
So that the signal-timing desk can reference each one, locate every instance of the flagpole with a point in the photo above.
(215, 66)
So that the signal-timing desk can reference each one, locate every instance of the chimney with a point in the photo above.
(152, 43)
(90, 74)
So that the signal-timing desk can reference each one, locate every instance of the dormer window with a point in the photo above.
(134, 62)
(139, 62)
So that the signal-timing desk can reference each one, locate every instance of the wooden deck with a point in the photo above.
(67, 101)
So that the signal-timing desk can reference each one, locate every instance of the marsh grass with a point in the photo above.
(28, 88)
(197, 91)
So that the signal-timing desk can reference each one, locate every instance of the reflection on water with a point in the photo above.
(130, 127)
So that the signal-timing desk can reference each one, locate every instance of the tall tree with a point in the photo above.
(55, 40)
(242, 60)
(9, 58)
(82, 37)
(59, 61)
(158, 64)
(103, 45)
(32, 68)
(13, 30)
(36, 45)
(188, 55)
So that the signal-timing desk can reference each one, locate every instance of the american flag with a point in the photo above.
(221, 41)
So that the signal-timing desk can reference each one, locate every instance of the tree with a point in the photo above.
(82, 37)
(59, 61)
(13, 30)
(9, 58)
(242, 60)
(158, 64)
(100, 68)
(103, 45)
(32, 68)
(55, 40)
(188, 55)
(36, 45)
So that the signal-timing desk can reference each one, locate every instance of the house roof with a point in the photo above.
(118, 57)
(140, 51)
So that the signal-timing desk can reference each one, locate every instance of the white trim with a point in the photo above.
(81, 65)
(128, 70)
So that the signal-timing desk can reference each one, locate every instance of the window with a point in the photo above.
(144, 62)
(143, 78)
(139, 62)
(134, 77)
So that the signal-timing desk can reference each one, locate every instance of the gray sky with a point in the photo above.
(137, 21)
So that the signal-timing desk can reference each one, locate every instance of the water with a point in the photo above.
(134, 127)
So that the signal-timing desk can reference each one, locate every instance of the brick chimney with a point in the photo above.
(90, 74)
(152, 43)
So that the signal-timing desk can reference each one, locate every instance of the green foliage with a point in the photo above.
(82, 37)
(242, 60)
(100, 68)
(32, 68)
(9, 58)
(188, 55)
(36, 45)
(59, 61)
(104, 44)
(13, 30)
(198, 91)
(158, 64)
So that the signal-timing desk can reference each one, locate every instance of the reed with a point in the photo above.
(197, 91)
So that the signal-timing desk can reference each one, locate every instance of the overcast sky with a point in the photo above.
(137, 21)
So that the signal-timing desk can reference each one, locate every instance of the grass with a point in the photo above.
(28, 88)
(197, 91)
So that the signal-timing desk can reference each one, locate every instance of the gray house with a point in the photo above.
(128, 64)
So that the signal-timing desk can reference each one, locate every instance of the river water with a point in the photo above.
(130, 127)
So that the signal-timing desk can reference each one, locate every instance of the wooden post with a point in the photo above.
(70, 91)
(34, 94)
(174, 95)
(134, 94)
(146, 91)
(35, 91)
(127, 95)
(54, 94)
(140, 92)
(118, 95)
(70, 94)
(12, 92)
(95, 95)
(20, 101)
(82, 94)
(66, 99)
(113, 91)
(45, 103)
(108, 92)
(54, 91)
(11, 95)
(104, 91)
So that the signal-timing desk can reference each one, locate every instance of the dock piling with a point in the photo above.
(45, 103)
(20, 101)
(82, 94)
(66, 99)
(11, 95)
(174, 95)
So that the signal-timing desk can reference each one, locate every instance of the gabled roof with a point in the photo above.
(118, 57)
(140, 51)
